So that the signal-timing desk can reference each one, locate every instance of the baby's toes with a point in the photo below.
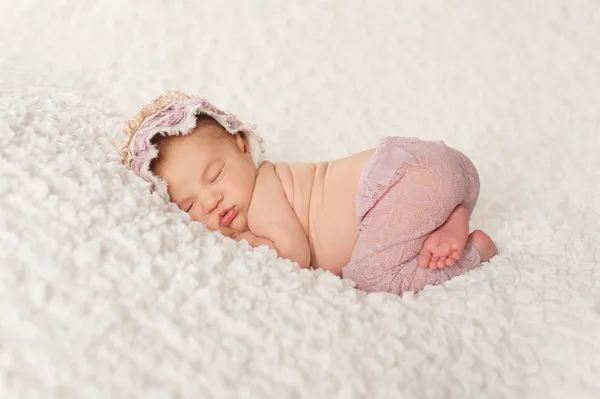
(424, 258)
(450, 261)
(434, 261)
(442, 262)
(457, 254)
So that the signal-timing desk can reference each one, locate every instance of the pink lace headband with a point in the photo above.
(171, 114)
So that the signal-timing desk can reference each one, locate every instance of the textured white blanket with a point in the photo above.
(105, 292)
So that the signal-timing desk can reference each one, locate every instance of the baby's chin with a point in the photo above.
(240, 226)
(237, 225)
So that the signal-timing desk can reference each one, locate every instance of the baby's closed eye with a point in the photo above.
(216, 175)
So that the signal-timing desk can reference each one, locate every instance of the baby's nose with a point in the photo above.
(211, 203)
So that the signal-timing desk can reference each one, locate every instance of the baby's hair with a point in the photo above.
(160, 142)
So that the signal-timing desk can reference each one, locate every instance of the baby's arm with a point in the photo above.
(271, 216)
(253, 239)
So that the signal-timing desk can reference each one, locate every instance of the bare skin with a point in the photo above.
(444, 247)
(305, 211)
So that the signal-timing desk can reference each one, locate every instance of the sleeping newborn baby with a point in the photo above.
(394, 218)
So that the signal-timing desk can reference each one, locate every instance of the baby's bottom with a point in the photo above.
(407, 190)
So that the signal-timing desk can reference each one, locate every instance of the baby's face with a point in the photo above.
(210, 174)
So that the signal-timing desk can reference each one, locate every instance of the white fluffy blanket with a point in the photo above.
(105, 292)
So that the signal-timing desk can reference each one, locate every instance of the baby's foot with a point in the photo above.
(483, 244)
(444, 247)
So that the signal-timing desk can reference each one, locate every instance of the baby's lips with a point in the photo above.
(226, 216)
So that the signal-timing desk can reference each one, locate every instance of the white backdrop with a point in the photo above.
(107, 292)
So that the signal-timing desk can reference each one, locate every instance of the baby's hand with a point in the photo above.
(253, 239)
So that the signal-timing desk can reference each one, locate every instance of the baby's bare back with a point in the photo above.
(322, 197)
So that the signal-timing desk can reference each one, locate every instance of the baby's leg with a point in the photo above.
(445, 245)
(392, 233)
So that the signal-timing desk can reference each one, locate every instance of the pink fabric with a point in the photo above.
(407, 190)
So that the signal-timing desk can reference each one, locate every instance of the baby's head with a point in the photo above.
(201, 158)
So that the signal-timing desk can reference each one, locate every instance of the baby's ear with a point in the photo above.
(241, 142)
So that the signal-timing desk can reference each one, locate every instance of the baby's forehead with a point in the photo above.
(203, 139)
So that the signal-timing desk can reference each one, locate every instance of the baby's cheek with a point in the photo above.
(201, 218)
(196, 218)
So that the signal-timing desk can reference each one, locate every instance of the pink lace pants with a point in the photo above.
(406, 191)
